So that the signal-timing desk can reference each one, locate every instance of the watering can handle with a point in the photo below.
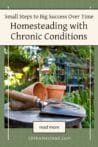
(19, 96)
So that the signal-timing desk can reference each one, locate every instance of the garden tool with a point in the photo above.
(51, 106)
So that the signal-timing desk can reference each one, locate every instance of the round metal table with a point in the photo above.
(25, 118)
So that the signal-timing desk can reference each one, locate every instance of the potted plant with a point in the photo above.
(50, 77)
(54, 90)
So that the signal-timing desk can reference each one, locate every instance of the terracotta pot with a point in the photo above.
(56, 91)
(37, 89)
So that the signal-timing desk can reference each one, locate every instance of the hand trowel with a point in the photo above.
(50, 107)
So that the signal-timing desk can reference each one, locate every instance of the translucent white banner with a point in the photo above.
(48, 27)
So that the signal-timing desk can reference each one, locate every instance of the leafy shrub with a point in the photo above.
(82, 97)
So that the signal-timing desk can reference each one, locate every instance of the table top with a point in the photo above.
(31, 115)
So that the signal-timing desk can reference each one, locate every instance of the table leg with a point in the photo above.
(79, 125)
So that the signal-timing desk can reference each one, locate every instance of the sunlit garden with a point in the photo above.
(70, 66)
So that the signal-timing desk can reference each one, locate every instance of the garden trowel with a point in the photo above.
(50, 107)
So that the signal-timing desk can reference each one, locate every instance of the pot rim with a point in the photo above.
(56, 87)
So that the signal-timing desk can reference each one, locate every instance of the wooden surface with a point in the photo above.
(25, 119)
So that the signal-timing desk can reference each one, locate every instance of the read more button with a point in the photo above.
(48, 127)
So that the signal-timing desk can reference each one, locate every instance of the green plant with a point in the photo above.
(82, 97)
(49, 78)
(12, 78)
(52, 68)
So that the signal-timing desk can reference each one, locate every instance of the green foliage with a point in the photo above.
(26, 69)
(52, 68)
(12, 78)
(49, 78)
(18, 75)
(44, 52)
(80, 51)
(82, 97)
(18, 57)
